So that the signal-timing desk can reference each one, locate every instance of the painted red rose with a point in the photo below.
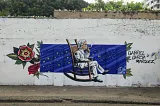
(25, 53)
(33, 68)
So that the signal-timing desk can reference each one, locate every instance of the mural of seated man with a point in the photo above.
(83, 54)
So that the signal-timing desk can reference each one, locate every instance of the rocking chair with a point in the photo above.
(80, 71)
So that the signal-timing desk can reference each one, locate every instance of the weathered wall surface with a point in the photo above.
(144, 34)
(111, 15)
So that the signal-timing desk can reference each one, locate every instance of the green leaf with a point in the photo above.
(38, 56)
(128, 70)
(15, 50)
(18, 62)
(31, 46)
(41, 42)
(129, 48)
(38, 44)
(38, 51)
(28, 44)
(37, 74)
(34, 75)
(129, 44)
(24, 64)
(13, 56)
(128, 58)
(129, 75)
(124, 76)
(36, 59)
(32, 61)
(125, 43)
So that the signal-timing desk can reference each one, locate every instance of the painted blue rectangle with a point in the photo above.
(57, 58)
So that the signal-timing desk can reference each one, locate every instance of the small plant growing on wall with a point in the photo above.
(155, 55)
(25, 54)
(128, 71)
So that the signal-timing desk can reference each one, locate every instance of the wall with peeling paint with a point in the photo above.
(144, 34)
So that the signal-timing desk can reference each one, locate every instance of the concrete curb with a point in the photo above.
(70, 99)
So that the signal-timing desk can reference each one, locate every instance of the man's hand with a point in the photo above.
(88, 50)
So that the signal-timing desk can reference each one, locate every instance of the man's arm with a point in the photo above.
(87, 53)
(80, 57)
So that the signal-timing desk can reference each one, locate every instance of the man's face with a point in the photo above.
(84, 47)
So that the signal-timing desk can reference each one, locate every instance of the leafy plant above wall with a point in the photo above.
(128, 71)
(25, 54)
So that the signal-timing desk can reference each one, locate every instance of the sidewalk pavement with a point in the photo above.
(79, 94)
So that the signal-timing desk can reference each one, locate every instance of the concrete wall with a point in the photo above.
(144, 34)
(112, 15)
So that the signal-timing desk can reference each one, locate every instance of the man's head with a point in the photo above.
(82, 44)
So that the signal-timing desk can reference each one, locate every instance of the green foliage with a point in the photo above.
(18, 62)
(31, 46)
(39, 43)
(128, 46)
(100, 4)
(33, 69)
(128, 71)
(38, 7)
(15, 50)
(13, 56)
(127, 59)
(124, 76)
(115, 6)
(38, 50)
(37, 74)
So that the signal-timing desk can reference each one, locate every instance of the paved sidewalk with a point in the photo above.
(71, 94)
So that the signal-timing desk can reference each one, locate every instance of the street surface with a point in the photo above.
(68, 104)
(78, 96)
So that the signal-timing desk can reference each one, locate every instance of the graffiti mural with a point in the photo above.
(79, 61)
(140, 57)
(25, 54)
